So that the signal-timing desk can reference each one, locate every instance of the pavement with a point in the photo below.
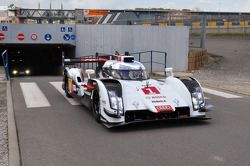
(231, 68)
(65, 134)
(62, 134)
(237, 87)
(3, 125)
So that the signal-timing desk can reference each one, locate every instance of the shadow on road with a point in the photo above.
(159, 125)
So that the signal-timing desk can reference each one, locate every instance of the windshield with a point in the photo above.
(130, 74)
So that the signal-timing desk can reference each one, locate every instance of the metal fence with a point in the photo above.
(151, 61)
(6, 63)
(138, 56)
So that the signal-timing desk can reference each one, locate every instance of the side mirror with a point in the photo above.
(90, 72)
(169, 71)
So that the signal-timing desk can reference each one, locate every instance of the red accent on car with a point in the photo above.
(90, 86)
(164, 108)
(93, 59)
(150, 90)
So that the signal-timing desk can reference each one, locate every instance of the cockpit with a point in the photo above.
(125, 71)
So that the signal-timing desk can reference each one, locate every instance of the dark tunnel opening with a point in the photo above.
(33, 60)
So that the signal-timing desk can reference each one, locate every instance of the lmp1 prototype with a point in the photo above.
(121, 91)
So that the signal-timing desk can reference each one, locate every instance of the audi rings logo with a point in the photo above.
(33, 36)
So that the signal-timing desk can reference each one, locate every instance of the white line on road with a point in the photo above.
(221, 94)
(33, 95)
(58, 86)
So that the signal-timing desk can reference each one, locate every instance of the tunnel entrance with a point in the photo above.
(34, 59)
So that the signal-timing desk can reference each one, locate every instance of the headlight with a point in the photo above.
(115, 103)
(14, 72)
(198, 99)
(27, 71)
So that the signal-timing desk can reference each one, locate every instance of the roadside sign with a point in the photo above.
(63, 29)
(20, 36)
(70, 29)
(73, 37)
(2, 36)
(4, 28)
(66, 37)
(47, 37)
(33, 36)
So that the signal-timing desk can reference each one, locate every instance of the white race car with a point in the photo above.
(122, 92)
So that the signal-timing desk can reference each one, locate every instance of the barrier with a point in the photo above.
(197, 58)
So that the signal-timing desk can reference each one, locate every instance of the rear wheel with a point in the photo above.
(96, 106)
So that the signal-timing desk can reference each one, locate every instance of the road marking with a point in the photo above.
(58, 86)
(33, 95)
(221, 94)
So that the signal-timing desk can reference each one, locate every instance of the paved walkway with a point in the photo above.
(3, 125)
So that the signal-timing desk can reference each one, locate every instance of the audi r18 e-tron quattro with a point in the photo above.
(121, 92)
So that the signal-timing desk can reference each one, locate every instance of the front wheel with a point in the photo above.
(96, 106)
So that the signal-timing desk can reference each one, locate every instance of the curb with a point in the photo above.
(14, 156)
(227, 90)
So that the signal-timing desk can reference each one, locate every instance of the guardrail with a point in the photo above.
(6, 63)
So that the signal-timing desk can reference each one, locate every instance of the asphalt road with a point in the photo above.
(67, 135)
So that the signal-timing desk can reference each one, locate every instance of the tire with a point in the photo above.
(96, 106)
(66, 88)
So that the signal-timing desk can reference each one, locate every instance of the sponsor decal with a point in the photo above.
(2, 36)
(164, 108)
(20, 37)
(33, 36)
(159, 97)
(150, 90)
(159, 101)
(136, 104)
(177, 102)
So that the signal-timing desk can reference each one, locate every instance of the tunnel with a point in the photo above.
(36, 59)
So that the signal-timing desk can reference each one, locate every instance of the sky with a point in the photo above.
(203, 5)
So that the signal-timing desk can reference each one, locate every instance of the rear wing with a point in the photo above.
(95, 61)
(87, 62)
(83, 60)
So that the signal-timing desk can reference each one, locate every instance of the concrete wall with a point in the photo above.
(110, 38)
